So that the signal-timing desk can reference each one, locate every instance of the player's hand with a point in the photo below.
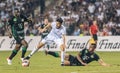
(43, 30)
(107, 65)
(85, 64)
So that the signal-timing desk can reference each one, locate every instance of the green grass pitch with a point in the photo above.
(40, 63)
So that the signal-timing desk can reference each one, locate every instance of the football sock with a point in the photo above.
(55, 54)
(24, 49)
(14, 52)
(62, 57)
(33, 52)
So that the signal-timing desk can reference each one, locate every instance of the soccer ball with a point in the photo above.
(25, 63)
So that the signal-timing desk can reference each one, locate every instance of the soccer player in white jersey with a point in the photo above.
(57, 35)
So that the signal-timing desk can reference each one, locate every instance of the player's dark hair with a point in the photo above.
(59, 20)
(94, 45)
(16, 9)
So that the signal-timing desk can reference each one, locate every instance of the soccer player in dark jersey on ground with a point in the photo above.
(15, 28)
(45, 33)
(83, 58)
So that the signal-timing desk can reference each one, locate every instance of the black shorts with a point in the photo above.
(18, 36)
(18, 39)
(95, 37)
(73, 61)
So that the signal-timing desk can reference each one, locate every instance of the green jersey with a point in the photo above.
(17, 26)
(45, 33)
(88, 57)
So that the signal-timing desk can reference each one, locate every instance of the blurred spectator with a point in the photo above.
(2, 28)
(117, 31)
(75, 13)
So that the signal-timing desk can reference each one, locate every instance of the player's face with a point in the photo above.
(58, 25)
(92, 48)
(46, 21)
(94, 22)
(16, 13)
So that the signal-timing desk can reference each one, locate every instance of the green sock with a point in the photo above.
(14, 52)
(48, 47)
(55, 54)
(24, 49)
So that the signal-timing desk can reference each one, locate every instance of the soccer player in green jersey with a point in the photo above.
(45, 33)
(83, 58)
(15, 28)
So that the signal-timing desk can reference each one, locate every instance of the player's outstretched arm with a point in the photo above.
(46, 27)
(80, 60)
(101, 62)
(40, 29)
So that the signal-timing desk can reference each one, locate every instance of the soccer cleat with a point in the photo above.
(26, 58)
(62, 64)
(9, 61)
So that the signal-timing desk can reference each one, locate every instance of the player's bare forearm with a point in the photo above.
(101, 62)
(46, 27)
(40, 29)
(80, 60)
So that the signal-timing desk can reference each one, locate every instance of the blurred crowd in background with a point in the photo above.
(77, 15)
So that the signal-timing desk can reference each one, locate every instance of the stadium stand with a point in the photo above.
(77, 15)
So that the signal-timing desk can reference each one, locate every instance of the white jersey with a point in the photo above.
(57, 33)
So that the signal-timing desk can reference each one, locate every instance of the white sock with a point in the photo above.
(33, 51)
(62, 57)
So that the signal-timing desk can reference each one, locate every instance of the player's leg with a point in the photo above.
(95, 37)
(55, 54)
(66, 63)
(59, 42)
(68, 60)
(62, 54)
(13, 54)
(41, 44)
(66, 56)
(24, 48)
(35, 50)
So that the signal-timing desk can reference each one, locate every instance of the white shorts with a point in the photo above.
(50, 39)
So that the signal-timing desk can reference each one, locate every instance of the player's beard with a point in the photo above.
(17, 14)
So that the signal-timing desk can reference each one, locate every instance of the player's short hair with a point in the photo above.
(94, 45)
(59, 20)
